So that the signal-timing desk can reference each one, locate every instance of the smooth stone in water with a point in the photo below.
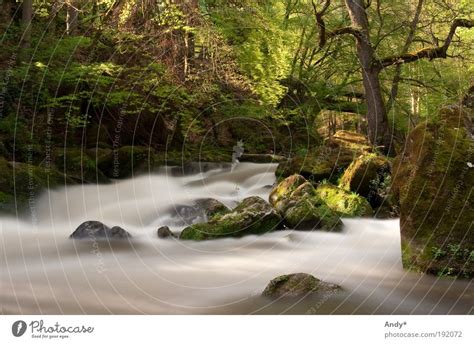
(164, 232)
(298, 284)
(97, 230)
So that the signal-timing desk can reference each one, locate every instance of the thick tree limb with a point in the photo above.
(429, 53)
(323, 34)
(319, 20)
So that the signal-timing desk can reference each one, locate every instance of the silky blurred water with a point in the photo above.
(44, 272)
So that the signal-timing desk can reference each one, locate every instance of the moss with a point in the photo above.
(328, 161)
(431, 184)
(284, 189)
(212, 207)
(77, 164)
(367, 175)
(302, 208)
(308, 213)
(124, 161)
(345, 203)
(21, 183)
(252, 216)
(299, 284)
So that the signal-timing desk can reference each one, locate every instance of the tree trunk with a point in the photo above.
(72, 16)
(377, 121)
(26, 15)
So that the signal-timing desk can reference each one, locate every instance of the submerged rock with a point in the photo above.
(201, 211)
(212, 207)
(252, 216)
(297, 285)
(433, 184)
(164, 232)
(97, 230)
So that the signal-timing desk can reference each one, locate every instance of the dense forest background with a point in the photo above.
(163, 73)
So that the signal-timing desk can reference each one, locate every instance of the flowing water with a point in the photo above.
(44, 272)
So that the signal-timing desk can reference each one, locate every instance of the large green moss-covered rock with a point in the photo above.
(252, 216)
(295, 199)
(346, 203)
(433, 181)
(327, 161)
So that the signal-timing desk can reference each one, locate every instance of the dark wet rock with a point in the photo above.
(201, 211)
(433, 181)
(97, 230)
(212, 207)
(252, 216)
(164, 232)
(298, 285)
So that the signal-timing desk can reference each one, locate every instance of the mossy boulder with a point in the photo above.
(79, 165)
(310, 213)
(327, 161)
(252, 216)
(22, 183)
(124, 161)
(297, 201)
(433, 181)
(346, 203)
(368, 175)
(298, 285)
(281, 194)
(212, 207)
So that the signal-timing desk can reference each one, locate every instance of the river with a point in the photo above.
(45, 272)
